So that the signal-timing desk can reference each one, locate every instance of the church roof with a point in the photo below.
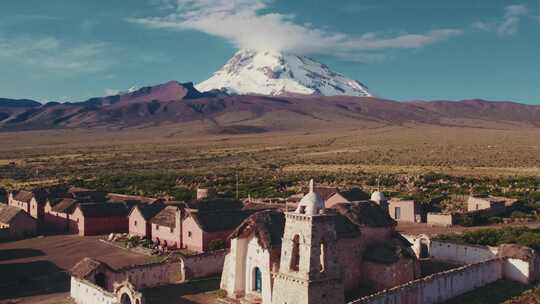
(389, 252)
(268, 226)
(365, 213)
(355, 194)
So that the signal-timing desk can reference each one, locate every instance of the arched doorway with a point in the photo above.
(125, 299)
(100, 280)
(424, 250)
(257, 280)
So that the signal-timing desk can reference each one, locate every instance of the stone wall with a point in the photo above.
(203, 265)
(84, 292)
(146, 276)
(382, 276)
(440, 219)
(439, 287)
(461, 253)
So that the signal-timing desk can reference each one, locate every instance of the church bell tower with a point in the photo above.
(309, 270)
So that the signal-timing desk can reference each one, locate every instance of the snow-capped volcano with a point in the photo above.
(275, 73)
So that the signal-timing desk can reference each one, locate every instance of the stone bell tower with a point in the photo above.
(309, 270)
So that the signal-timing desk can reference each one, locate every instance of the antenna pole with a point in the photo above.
(236, 184)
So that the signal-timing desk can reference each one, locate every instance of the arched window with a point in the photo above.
(257, 280)
(295, 255)
(125, 299)
(322, 256)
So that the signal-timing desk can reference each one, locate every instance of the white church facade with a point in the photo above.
(316, 255)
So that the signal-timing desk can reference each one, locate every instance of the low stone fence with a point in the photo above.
(441, 219)
(203, 265)
(149, 275)
(441, 286)
(461, 253)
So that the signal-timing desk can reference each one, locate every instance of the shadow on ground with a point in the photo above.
(180, 293)
(494, 293)
(19, 253)
(32, 278)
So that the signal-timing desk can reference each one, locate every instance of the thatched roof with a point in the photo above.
(355, 194)
(86, 267)
(389, 252)
(165, 217)
(148, 211)
(103, 209)
(8, 213)
(268, 226)
(215, 204)
(365, 213)
(210, 221)
(65, 205)
(135, 199)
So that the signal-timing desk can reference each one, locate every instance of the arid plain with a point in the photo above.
(414, 149)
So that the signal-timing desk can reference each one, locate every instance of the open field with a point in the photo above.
(55, 154)
(38, 266)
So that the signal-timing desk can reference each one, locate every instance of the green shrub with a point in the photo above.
(217, 245)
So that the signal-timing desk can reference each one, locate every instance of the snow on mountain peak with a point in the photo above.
(276, 73)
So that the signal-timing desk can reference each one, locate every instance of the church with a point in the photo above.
(317, 254)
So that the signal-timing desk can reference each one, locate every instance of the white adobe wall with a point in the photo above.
(517, 270)
(83, 292)
(232, 277)
(460, 253)
(439, 287)
(258, 257)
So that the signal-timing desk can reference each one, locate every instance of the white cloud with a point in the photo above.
(112, 92)
(508, 24)
(250, 24)
(53, 54)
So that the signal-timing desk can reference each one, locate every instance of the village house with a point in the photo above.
(58, 214)
(15, 223)
(196, 225)
(99, 218)
(489, 204)
(140, 216)
(166, 227)
(33, 202)
(316, 254)
(404, 210)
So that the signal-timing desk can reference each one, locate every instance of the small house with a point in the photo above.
(404, 210)
(33, 202)
(15, 223)
(99, 218)
(140, 216)
(58, 214)
(166, 227)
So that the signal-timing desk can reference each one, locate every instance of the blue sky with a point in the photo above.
(404, 50)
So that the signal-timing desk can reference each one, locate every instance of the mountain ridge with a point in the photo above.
(182, 104)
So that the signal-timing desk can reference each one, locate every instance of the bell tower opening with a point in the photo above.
(322, 257)
(295, 254)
